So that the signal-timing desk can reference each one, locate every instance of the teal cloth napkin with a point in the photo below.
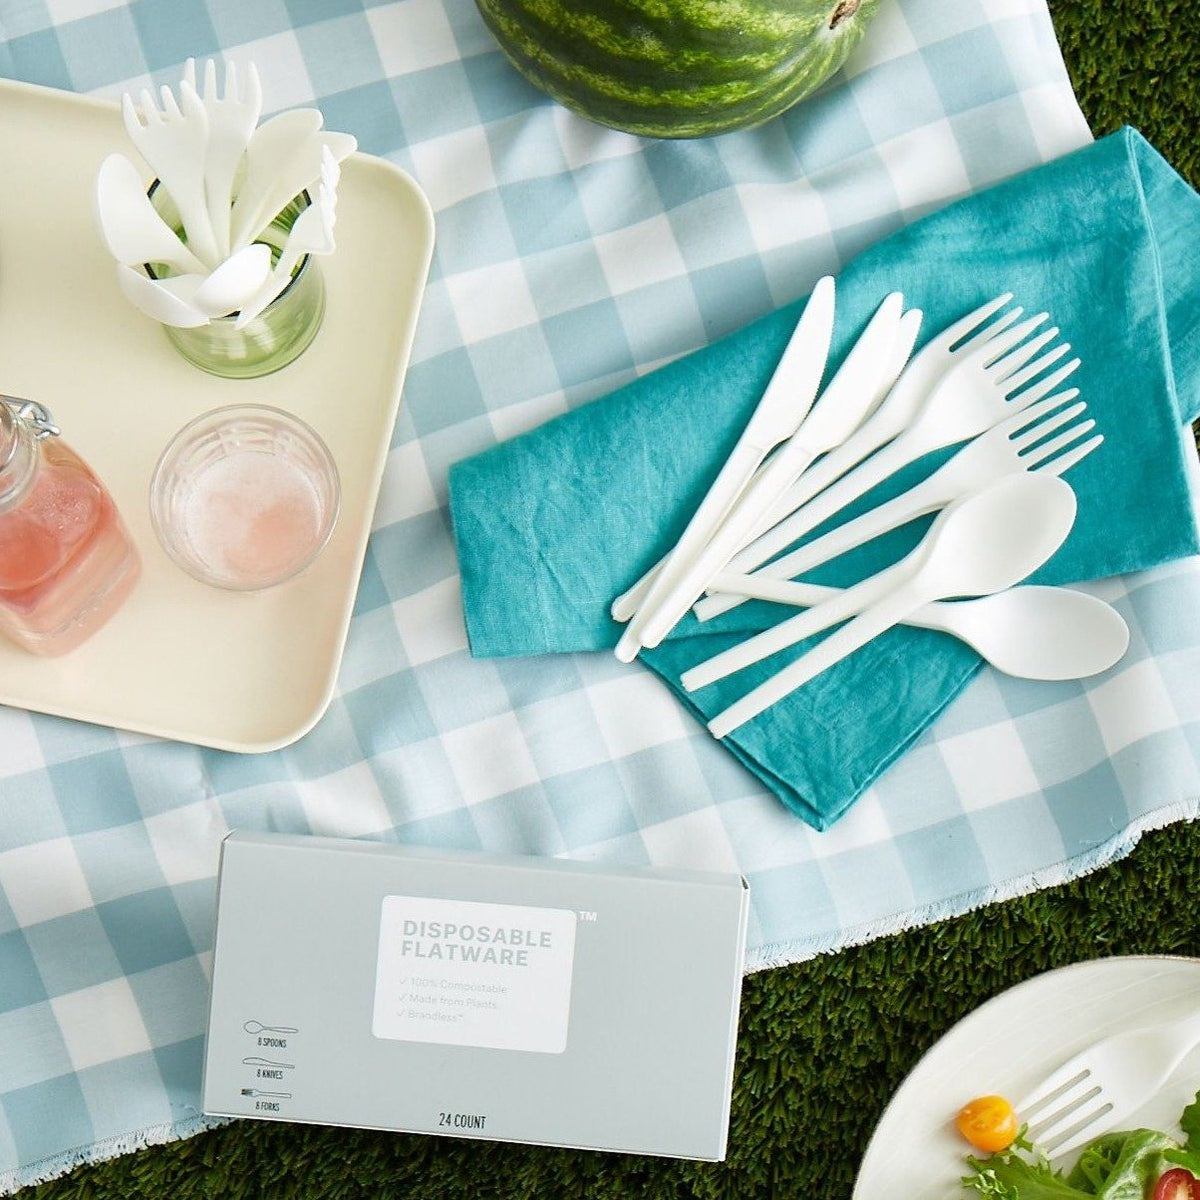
(552, 525)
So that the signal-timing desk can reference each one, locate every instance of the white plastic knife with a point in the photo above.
(779, 413)
(836, 414)
(864, 404)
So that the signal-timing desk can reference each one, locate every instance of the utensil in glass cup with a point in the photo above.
(278, 335)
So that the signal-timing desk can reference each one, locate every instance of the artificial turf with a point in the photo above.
(822, 1044)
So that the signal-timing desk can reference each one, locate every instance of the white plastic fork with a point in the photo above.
(981, 389)
(1094, 1091)
(173, 141)
(902, 402)
(232, 118)
(905, 385)
(1020, 443)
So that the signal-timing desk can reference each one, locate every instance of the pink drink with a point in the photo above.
(253, 516)
(244, 497)
(66, 562)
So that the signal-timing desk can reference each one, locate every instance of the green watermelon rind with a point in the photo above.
(670, 68)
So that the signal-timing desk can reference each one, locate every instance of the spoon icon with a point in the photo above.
(259, 1027)
(987, 541)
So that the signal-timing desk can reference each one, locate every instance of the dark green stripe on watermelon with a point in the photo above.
(674, 68)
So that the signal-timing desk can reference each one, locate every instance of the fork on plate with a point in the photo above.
(1094, 1091)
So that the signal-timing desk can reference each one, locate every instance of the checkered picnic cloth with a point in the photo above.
(569, 259)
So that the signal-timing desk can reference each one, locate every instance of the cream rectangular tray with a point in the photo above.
(236, 671)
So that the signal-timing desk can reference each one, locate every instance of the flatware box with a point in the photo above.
(506, 998)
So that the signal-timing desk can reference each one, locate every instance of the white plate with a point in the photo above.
(1006, 1046)
(246, 672)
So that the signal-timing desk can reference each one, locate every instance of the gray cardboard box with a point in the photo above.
(485, 996)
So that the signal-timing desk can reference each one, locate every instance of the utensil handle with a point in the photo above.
(733, 477)
(885, 462)
(787, 633)
(630, 600)
(933, 615)
(870, 623)
(924, 498)
(679, 591)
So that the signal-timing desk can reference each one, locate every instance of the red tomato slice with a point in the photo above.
(1176, 1184)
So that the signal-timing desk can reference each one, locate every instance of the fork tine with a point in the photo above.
(169, 103)
(130, 114)
(1037, 429)
(1021, 396)
(1024, 418)
(1045, 451)
(1073, 1137)
(1003, 368)
(253, 85)
(986, 333)
(1056, 1085)
(1066, 461)
(996, 348)
(210, 79)
(953, 334)
(1018, 379)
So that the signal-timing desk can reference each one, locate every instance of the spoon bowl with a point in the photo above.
(168, 301)
(1036, 632)
(131, 227)
(235, 281)
(987, 541)
(993, 538)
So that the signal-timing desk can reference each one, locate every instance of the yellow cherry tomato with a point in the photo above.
(989, 1123)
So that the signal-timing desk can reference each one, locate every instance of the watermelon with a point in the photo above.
(677, 68)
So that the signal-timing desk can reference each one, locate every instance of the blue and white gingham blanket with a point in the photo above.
(569, 259)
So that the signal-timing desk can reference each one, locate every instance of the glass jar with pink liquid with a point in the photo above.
(66, 560)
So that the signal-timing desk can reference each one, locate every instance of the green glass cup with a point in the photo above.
(278, 335)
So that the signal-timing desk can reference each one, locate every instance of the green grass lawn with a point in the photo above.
(822, 1044)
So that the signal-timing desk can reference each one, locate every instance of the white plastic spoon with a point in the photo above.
(984, 543)
(1031, 631)
(132, 229)
(168, 301)
(235, 281)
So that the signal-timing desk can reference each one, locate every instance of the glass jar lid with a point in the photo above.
(23, 423)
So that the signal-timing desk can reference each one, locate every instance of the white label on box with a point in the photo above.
(461, 973)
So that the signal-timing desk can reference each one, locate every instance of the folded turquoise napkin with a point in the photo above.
(552, 525)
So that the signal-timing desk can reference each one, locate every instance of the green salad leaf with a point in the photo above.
(1117, 1166)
